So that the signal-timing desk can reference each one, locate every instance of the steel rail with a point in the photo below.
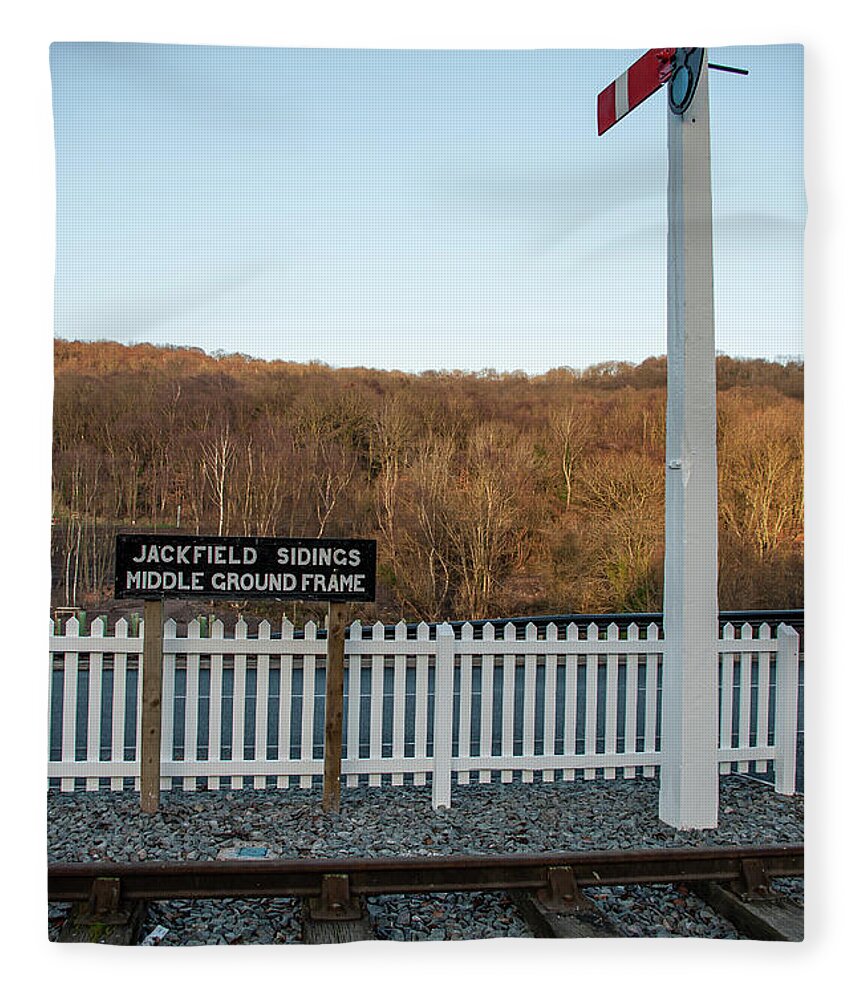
(307, 877)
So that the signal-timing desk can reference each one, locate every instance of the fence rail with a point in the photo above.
(421, 704)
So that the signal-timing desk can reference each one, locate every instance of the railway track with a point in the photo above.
(110, 898)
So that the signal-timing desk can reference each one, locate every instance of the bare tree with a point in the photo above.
(570, 432)
(333, 472)
(219, 457)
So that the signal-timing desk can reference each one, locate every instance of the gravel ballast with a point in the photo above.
(388, 821)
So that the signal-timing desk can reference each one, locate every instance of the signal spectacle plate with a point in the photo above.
(685, 77)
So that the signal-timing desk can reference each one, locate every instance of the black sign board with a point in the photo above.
(230, 568)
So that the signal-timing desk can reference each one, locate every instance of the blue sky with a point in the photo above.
(410, 209)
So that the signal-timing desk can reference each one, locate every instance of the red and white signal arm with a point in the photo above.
(638, 82)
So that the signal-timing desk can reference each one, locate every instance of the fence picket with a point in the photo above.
(285, 703)
(443, 716)
(591, 701)
(727, 688)
(51, 682)
(487, 666)
(377, 676)
(261, 709)
(94, 703)
(422, 707)
(120, 674)
(464, 739)
(240, 676)
(550, 675)
(651, 700)
(353, 703)
(529, 693)
(571, 672)
(508, 674)
(745, 697)
(309, 666)
(422, 672)
(611, 721)
(631, 706)
(70, 703)
(168, 701)
(398, 724)
(763, 660)
(785, 725)
(192, 702)
(216, 692)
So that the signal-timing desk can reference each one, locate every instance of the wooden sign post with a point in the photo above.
(335, 642)
(150, 716)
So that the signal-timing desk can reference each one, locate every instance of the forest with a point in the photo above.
(489, 494)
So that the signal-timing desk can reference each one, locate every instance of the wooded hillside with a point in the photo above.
(489, 494)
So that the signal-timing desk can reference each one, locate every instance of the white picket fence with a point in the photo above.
(247, 711)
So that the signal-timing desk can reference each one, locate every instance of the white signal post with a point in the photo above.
(689, 779)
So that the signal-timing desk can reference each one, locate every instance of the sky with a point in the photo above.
(410, 208)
